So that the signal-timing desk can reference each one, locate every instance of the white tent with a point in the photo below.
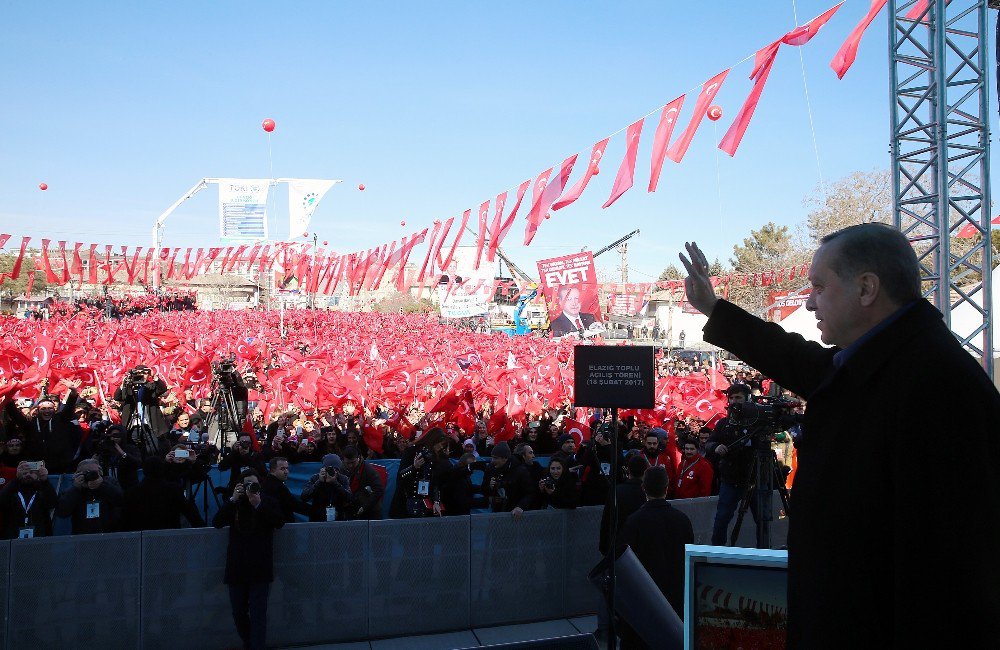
(802, 322)
(965, 318)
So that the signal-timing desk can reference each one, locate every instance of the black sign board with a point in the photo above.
(614, 377)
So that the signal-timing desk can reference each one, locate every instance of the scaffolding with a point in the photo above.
(940, 153)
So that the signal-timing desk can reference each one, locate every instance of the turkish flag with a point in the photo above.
(545, 194)
(577, 429)
(804, 33)
(373, 436)
(50, 277)
(844, 58)
(484, 212)
(708, 92)
(626, 171)
(161, 341)
(15, 271)
(40, 348)
(13, 364)
(668, 120)
(761, 69)
(573, 193)
(969, 230)
(458, 237)
(497, 238)
(198, 371)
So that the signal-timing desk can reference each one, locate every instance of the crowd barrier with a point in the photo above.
(334, 582)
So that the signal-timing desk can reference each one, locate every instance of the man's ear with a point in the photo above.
(869, 287)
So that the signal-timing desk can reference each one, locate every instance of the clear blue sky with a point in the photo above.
(434, 106)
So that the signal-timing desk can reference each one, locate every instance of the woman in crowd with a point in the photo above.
(559, 489)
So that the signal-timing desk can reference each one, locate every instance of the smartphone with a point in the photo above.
(35, 465)
(182, 453)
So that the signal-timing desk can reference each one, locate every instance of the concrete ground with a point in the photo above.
(474, 638)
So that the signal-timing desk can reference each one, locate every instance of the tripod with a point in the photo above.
(764, 477)
(226, 408)
(205, 487)
(139, 430)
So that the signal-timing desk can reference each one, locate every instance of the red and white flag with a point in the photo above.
(761, 69)
(592, 170)
(668, 120)
(484, 213)
(497, 238)
(804, 33)
(626, 171)
(545, 194)
(844, 58)
(708, 92)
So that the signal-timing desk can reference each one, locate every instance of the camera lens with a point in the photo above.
(253, 488)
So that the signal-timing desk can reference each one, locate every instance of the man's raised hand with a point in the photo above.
(700, 292)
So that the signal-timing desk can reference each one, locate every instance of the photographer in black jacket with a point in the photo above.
(138, 401)
(734, 457)
(423, 470)
(120, 458)
(252, 518)
(26, 501)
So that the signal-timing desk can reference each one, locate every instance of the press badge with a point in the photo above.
(606, 469)
(93, 510)
(26, 533)
(423, 488)
(331, 514)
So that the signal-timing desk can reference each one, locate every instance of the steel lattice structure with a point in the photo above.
(940, 154)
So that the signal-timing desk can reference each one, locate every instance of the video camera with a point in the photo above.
(226, 373)
(769, 413)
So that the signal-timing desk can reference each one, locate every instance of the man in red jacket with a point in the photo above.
(695, 474)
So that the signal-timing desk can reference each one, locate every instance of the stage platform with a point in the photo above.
(474, 638)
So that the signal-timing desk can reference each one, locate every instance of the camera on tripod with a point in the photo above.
(135, 378)
(226, 373)
(766, 413)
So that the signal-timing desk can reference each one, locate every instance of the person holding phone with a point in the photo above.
(26, 501)
(252, 518)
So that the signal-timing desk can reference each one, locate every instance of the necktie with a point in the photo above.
(579, 324)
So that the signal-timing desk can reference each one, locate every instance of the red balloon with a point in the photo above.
(714, 112)
(597, 170)
(305, 234)
(402, 223)
(361, 187)
(268, 125)
(326, 243)
(548, 215)
(43, 186)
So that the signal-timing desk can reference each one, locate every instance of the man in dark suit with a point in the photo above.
(895, 379)
(252, 518)
(156, 503)
(657, 533)
(571, 320)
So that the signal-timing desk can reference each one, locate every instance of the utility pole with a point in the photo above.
(623, 251)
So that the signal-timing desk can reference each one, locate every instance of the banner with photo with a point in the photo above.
(627, 304)
(569, 284)
(462, 289)
(304, 195)
(243, 208)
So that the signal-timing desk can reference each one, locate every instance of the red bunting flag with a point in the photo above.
(50, 277)
(495, 238)
(484, 211)
(545, 194)
(708, 92)
(498, 206)
(458, 237)
(761, 69)
(804, 33)
(626, 171)
(844, 58)
(668, 120)
(571, 195)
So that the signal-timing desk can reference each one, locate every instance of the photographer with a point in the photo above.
(559, 489)
(924, 559)
(252, 518)
(597, 458)
(458, 493)
(422, 472)
(51, 435)
(121, 458)
(239, 458)
(323, 492)
(26, 501)
(734, 463)
(156, 503)
(93, 502)
(364, 499)
(138, 401)
(274, 487)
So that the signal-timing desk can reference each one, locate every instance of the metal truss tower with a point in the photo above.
(940, 154)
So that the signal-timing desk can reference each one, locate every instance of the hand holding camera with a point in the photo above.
(547, 484)
(418, 461)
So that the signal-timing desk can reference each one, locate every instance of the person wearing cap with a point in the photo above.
(422, 472)
(731, 445)
(567, 452)
(323, 490)
(51, 434)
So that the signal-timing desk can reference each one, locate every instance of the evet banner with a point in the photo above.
(569, 285)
